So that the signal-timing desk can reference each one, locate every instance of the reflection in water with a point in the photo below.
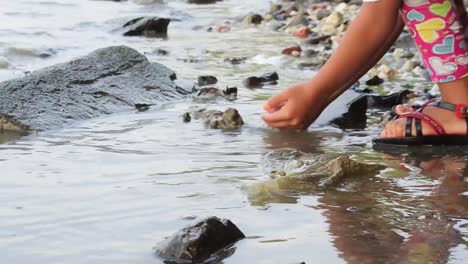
(391, 218)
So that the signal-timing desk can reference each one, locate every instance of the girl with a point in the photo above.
(438, 28)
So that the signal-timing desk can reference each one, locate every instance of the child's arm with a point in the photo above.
(367, 39)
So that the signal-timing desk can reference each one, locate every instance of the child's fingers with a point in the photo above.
(280, 124)
(275, 103)
(277, 116)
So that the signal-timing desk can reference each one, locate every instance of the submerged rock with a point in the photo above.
(297, 172)
(209, 239)
(147, 26)
(324, 170)
(229, 119)
(106, 81)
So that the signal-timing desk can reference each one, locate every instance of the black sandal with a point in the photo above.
(440, 139)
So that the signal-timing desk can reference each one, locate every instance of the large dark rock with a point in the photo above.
(199, 242)
(147, 26)
(106, 81)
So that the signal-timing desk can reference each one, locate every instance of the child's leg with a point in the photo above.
(438, 27)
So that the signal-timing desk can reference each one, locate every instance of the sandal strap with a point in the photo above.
(461, 110)
(431, 122)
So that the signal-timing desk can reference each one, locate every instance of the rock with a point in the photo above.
(235, 61)
(374, 81)
(291, 50)
(257, 82)
(356, 117)
(316, 40)
(297, 171)
(303, 32)
(253, 19)
(390, 100)
(229, 119)
(108, 80)
(147, 26)
(230, 93)
(200, 242)
(186, 117)
(207, 80)
(334, 19)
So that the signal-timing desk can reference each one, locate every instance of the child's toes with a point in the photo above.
(394, 129)
(402, 109)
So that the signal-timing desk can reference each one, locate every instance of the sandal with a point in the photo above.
(440, 139)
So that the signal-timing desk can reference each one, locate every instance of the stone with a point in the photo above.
(235, 61)
(294, 171)
(230, 93)
(253, 19)
(207, 80)
(334, 19)
(147, 26)
(375, 81)
(228, 120)
(270, 78)
(107, 81)
(391, 100)
(355, 117)
(200, 242)
(303, 32)
(290, 50)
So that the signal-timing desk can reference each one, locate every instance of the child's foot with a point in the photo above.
(402, 109)
(447, 119)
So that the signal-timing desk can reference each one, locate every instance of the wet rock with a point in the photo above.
(257, 82)
(207, 80)
(296, 173)
(375, 81)
(108, 80)
(147, 26)
(230, 93)
(355, 117)
(200, 242)
(303, 32)
(391, 100)
(291, 50)
(142, 107)
(186, 117)
(253, 19)
(235, 61)
(229, 119)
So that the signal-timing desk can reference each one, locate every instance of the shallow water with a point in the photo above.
(107, 190)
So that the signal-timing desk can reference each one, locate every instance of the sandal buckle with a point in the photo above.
(461, 111)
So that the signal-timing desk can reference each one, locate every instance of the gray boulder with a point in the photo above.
(200, 242)
(107, 81)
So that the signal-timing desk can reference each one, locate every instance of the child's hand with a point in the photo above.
(294, 108)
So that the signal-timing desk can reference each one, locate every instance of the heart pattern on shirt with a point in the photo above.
(428, 30)
(441, 68)
(441, 9)
(447, 46)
